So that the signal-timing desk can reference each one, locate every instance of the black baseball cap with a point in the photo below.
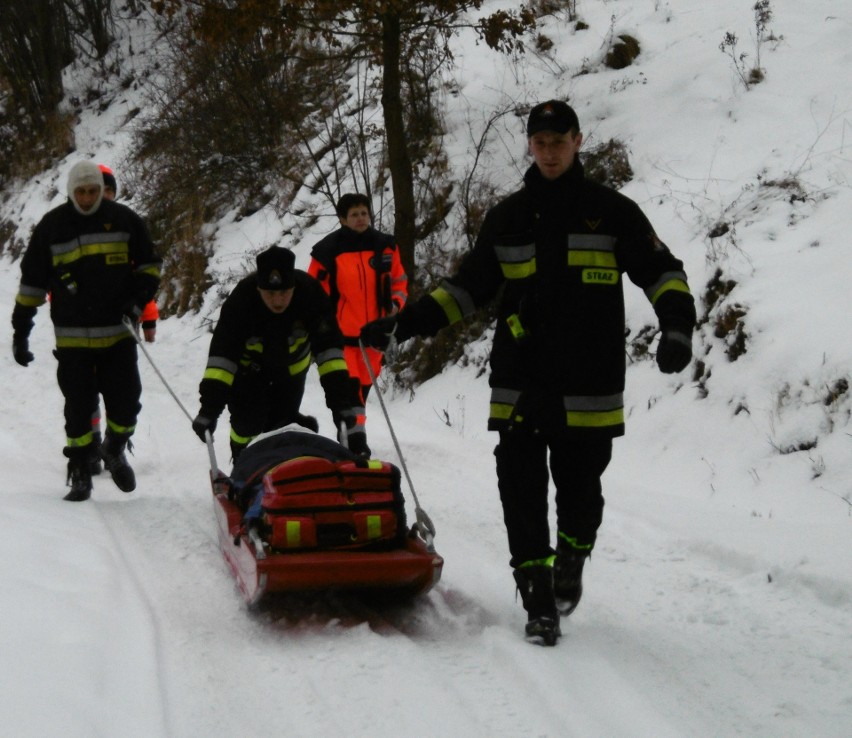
(553, 115)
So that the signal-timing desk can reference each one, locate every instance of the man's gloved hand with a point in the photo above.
(378, 333)
(21, 350)
(132, 311)
(352, 435)
(675, 351)
(358, 443)
(204, 422)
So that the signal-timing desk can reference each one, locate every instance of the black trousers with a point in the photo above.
(576, 466)
(83, 374)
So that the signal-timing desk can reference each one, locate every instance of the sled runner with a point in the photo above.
(301, 513)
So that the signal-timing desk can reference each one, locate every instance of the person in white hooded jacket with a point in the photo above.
(97, 261)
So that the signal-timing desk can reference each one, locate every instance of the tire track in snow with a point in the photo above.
(152, 647)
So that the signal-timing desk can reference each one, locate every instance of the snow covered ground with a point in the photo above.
(718, 601)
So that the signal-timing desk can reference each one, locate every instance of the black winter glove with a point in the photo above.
(675, 351)
(378, 333)
(133, 311)
(358, 443)
(21, 350)
(203, 423)
(351, 435)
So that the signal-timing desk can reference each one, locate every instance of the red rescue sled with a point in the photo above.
(408, 567)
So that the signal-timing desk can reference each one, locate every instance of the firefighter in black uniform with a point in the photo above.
(96, 260)
(272, 325)
(556, 252)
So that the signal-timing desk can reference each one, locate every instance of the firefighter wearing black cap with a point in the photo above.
(96, 260)
(272, 325)
(555, 253)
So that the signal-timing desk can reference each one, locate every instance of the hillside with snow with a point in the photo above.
(718, 601)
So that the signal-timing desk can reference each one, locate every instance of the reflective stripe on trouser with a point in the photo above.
(522, 478)
(83, 374)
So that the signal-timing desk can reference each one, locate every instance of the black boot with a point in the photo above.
(535, 583)
(568, 578)
(79, 479)
(95, 465)
(112, 452)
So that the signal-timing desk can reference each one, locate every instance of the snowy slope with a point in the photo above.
(719, 599)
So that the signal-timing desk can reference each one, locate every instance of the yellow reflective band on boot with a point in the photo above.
(84, 440)
(571, 541)
(538, 562)
(124, 430)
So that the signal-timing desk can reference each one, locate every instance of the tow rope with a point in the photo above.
(217, 477)
(424, 525)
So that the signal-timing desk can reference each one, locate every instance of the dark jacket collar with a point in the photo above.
(351, 236)
(570, 180)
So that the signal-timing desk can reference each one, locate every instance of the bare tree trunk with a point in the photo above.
(95, 17)
(34, 47)
(399, 161)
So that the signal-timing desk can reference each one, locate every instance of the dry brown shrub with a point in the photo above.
(623, 52)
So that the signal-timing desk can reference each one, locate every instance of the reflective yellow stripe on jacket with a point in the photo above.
(90, 338)
(667, 282)
(594, 411)
(591, 411)
(331, 360)
(113, 246)
(30, 296)
(516, 262)
(454, 301)
(221, 369)
(300, 352)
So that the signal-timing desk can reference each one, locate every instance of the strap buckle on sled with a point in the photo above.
(425, 528)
